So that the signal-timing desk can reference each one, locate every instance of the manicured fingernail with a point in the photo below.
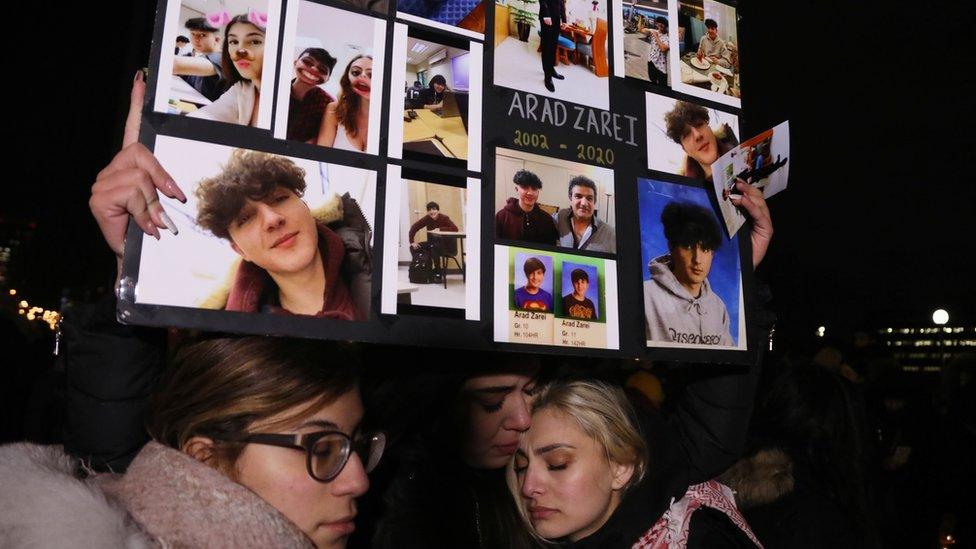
(138, 76)
(153, 231)
(169, 223)
(175, 189)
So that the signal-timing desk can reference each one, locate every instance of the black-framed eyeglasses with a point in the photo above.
(326, 452)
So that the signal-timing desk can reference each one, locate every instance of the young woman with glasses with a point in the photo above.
(256, 441)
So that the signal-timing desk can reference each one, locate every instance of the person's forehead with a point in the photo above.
(526, 187)
(498, 383)
(551, 427)
(582, 189)
(363, 63)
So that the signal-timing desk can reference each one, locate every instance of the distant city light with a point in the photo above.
(821, 331)
(13, 291)
(940, 317)
(23, 304)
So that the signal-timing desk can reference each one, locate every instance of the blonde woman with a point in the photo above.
(587, 474)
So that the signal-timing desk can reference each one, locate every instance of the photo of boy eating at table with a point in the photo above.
(705, 50)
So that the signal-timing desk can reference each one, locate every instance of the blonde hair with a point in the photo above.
(603, 412)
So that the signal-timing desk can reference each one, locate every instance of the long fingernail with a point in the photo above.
(175, 189)
(138, 76)
(169, 223)
(154, 232)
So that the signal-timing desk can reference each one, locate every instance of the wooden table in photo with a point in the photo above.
(702, 78)
(436, 234)
(427, 125)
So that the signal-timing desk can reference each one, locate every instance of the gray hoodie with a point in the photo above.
(674, 316)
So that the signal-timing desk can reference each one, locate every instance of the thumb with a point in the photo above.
(133, 121)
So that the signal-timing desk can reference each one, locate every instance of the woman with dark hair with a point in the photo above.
(803, 484)
(346, 121)
(433, 96)
(242, 62)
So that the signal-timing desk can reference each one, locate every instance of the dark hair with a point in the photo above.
(525, 178)
(818, 418)
(687, 224)
(199, 24)
(229, 72)
(711, 24)
(224, 385)
(581, 181)
(433, 206)
(579, 274)
(321, 55)
(662, 20)
(416, 83)
(183, 39)
(349, 100)
(682, 118)
(532, 265)
(437, 79)
(247, 174)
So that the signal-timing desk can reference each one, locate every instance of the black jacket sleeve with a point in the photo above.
(110, 370)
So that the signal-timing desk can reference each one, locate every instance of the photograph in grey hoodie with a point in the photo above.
(692, 280)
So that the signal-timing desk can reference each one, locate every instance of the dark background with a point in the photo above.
(875, 229)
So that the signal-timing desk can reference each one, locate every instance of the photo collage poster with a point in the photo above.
(460, 174)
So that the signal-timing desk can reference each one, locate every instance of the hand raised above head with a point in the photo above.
(130, 184)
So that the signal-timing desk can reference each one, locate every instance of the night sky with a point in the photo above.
(876, 226)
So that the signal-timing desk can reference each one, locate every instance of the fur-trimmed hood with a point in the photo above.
(760, 479)
(166, 498)
(44, 503)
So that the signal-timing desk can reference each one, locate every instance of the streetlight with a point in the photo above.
(940, 317)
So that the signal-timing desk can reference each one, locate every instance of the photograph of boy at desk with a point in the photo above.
(441, 116)
(435, 117)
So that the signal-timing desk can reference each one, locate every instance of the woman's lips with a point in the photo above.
(507, 449)
(541, 513)
(343, 527)
(242, 63)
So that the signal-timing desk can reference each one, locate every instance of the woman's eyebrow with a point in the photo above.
(551, 447)
(324, 424)
(496, 389)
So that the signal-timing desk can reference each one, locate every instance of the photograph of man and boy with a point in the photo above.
(645, 38)
(556, 48)
(544, 200)
(431, 267)
(262, 233)
(329, 68)
(685, 138)
(465, 17)
(436, 87)
(692, 281)
(581, 292)
(705, 50)
(219, 76)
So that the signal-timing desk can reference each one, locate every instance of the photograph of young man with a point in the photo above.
(578, 225)
(433, 220)
(307, 102)
(521, 218)
(679, 304)
(576, 304)
(688, 126)
(712, 47)
(532, 297)
(201, 68)
(552, 16)
(291, 263)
